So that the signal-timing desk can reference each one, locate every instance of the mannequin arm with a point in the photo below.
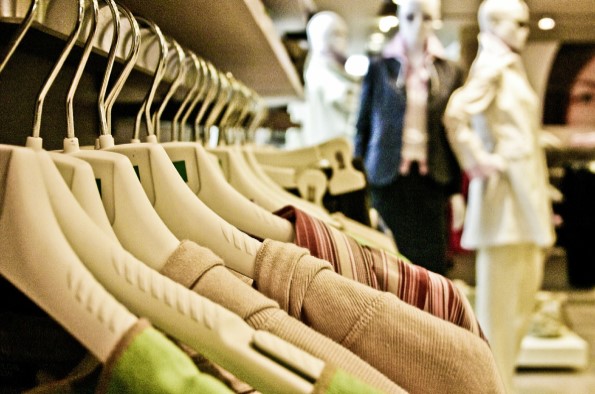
(473, 98)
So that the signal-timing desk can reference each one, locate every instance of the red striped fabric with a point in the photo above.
(382, 270)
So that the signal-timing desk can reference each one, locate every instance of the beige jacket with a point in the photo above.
(497, 112)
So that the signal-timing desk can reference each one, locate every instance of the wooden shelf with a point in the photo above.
(237, 36)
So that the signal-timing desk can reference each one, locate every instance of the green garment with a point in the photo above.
(337, 381)
(151, 363)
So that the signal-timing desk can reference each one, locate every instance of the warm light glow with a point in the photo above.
(546, 23)
(377, 38)
(376, 41)
(357, 65)
(388, 22)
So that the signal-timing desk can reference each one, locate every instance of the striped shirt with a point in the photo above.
(382, 270)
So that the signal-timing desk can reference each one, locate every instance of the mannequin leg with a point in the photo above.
(507, 279)
(531, 284)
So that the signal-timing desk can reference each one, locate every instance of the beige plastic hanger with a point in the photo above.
(261, 180)
(232, 163)
(18, 35)
(75, 172)
(316, 153)
(178, 207)
(179, 74)
(37, 259)
(202, 176)
(123, 201)
(337, 152)
(247, 177)
(196, 93)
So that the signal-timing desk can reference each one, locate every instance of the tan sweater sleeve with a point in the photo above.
(203, 271)
(418, 351)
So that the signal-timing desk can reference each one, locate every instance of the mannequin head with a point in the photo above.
(327, 34)
(506, 19)
(417, 19)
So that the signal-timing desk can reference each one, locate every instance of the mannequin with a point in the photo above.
(493, 123)
(411, 168)
(331, 94)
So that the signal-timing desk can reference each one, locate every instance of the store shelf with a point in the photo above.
(237, 36)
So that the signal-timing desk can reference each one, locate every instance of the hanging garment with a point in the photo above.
(145, 361)
(384, 271)
(418, 351)
(198, 268)
(38, 356)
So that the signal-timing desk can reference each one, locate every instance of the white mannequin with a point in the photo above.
(493, 124)
(331, 94)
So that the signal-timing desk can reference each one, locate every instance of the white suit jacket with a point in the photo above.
(497, 111)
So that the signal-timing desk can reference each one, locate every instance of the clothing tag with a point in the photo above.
(181, 168)
(137, 171)
(98, 182)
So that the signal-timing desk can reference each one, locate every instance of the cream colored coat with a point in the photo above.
(497, 112)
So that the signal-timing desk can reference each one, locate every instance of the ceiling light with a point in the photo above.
(357, 65)
(386, 23)
(546, 23)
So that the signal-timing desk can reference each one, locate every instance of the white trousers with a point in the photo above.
(507, 280)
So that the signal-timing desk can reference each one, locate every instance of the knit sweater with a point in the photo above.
(199, 269)
(382, 270)
(418, 351)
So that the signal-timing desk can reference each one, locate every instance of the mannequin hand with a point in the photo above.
(489, 164)
(458, 208)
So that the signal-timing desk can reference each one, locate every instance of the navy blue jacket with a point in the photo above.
(380, 123)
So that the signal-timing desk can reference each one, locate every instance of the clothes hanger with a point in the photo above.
(337, 152)
(232, 164)
(78, 174)
(179, 208)
(196, 93)
(75, 171)
(179, 67)
(124, 204)
(18, 35)
(37, 259)
(263, 181)
(202, 176)
(340, 149)
(220, 335)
